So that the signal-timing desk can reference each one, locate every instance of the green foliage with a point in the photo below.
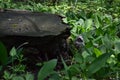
(5, 60)
(47, 69)
(29, 76)
(17, 78)
(98, 63)
(8, 76)
(3, 54)
(13, 52)
(67, 74)
(97, 21)
(16, 55)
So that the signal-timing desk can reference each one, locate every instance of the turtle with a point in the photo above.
(36, 28)
(35, 24)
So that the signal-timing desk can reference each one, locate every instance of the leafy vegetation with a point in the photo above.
(96, 21)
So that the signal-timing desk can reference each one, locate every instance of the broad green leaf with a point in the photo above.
(108, 19)
(89, 59)
(97, 52)
(88, 24)
(18, 78)
(74, 70)
(85, 54)
(29, 77)
(117, 46)
(108, 43)
(75, 78)
(97, 23)
(47, 69)
(98, 63)
(80, 22)
(13, 52)
(83, 14)
(78, 58)
(55, 76)
(3, 54)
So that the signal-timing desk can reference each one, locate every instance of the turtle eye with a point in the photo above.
(79, 39)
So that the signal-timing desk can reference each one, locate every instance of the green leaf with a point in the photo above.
(65, 20)
(117, 46)
(97, 52)
(65, 66)
(98, 63)
(3, 54)
(88, 24)
(108, 43)
(1, 67)
(29, 76)
(13, 52)
(79, 58)
(97, 23)
(118, 57)
(74, 70)
(55, 76)
(18, 78)
(7, 75)
(47, 69)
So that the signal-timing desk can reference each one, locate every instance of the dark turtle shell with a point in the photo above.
(35, 24)
(37, 29)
